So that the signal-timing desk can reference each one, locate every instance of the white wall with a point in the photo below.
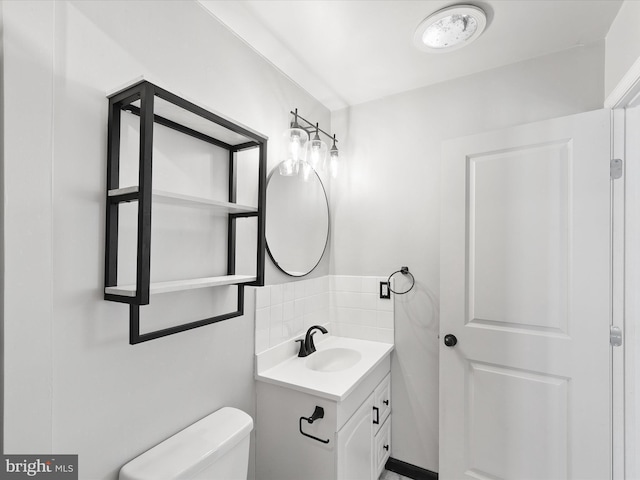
(72, 382)
(622, 48)
(386, 208)
(28, 276)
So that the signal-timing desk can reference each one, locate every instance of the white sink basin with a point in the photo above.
(333, 371)
(333, 359)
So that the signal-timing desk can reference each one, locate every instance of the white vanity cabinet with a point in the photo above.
(350, 442)
(364, 442)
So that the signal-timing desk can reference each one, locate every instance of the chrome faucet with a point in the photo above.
(307, 347)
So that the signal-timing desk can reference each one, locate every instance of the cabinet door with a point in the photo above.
(382, 402)
(382, 446)
(355, 445)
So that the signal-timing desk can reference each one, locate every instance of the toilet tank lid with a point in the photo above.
(193, 448)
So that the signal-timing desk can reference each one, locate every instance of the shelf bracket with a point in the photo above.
(136, 337)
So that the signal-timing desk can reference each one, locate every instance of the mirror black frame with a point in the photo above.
(326, 242)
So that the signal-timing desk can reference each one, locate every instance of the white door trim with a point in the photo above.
(617, 298)
(627, 89)
(626, 430)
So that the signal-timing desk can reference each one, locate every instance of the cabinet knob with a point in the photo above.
(386, 447)
(386, 402)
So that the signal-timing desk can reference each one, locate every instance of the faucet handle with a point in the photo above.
(303, 349)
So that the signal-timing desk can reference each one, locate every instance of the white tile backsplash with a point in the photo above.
(341, 283)
(288, 311)
(276, 294)
(384, 319)
(263, 318)
(349, 304)
(300, 289)
(263, 297)
(369, 301)
(262, 340)
(277, 316)
(289, 292)
(372, 285)
(358, 312)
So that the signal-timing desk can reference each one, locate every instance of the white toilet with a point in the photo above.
(214, 448)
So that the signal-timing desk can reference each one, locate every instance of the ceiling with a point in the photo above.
(346, 52)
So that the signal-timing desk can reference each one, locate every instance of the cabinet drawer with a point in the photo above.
(382, 402)
(382, 445)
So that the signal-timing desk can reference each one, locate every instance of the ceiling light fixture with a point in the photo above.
(450, 28)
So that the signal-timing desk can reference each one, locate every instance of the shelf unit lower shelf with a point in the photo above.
(180, 285)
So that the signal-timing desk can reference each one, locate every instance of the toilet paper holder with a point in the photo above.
(317, 414)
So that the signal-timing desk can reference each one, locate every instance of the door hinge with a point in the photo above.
(615, 336)
(615, 168)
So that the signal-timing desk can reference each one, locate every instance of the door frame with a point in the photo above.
(625, 425)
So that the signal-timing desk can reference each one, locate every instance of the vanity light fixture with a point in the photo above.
(451, 28)
(303, 154)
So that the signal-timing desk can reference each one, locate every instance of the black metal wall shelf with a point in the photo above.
(155, 105)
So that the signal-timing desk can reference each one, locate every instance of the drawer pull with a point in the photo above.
(376, 421)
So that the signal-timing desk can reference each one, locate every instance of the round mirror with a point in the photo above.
(297, 225)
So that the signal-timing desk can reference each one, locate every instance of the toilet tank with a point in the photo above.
(214, 448)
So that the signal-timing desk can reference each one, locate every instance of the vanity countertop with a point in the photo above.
(294, 372)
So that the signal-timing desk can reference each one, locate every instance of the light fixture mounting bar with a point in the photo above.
(312, 126)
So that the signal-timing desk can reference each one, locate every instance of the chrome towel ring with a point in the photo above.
(404, 271)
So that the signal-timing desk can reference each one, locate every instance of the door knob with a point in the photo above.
(450, 340)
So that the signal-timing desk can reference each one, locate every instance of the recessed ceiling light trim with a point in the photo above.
(450, 28)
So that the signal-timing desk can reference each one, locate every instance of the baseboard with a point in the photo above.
(408, 470)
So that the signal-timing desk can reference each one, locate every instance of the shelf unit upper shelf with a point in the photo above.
(157, 106)
(130, 194)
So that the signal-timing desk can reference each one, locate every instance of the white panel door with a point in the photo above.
(525, 268)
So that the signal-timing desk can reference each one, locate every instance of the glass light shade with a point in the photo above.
(295, 139)
(305, 170)
(334, 163)
(450, 28)
(450, 31)
(287, 168)
(316, 153)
